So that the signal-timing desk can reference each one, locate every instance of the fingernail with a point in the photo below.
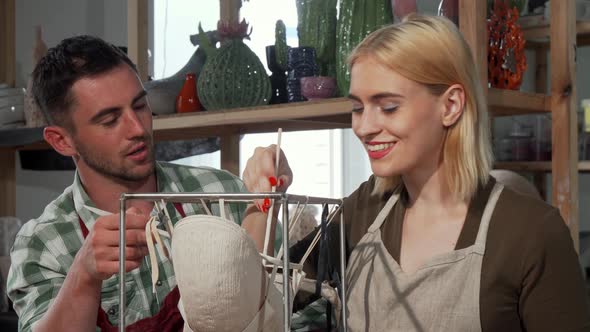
(266, 203)
(265, 209)
(273, 181)
(281, 182)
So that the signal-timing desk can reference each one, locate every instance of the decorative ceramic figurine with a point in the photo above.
(278, 79)
(402, 8)
(233, 76)
(316, 28)
(506, 57)
(187, 100)
(301, 63)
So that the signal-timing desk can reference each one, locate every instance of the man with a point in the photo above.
(64, 273)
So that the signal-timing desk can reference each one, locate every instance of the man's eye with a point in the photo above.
(357, 108)
(109, 123)
(140, 107)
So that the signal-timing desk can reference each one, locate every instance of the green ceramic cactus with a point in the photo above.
(316, 28)
(233, 76)
(281, 47)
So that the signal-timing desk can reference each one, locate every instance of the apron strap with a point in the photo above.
(482, 233)
(384, 212)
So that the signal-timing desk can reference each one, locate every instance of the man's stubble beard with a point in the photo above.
(108, 169)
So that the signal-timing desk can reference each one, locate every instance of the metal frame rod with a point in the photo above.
(283, 198)
(228, 197)
(343, 272)
(286, 288)
(122, 245)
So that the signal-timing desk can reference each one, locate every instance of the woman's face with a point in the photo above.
(398, 121)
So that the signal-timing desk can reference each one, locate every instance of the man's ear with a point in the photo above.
(453, 104)
(61, 141)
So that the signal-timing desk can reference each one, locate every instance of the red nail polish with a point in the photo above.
(265, 209)
(281, 182)
(273, 181)
(266, 203)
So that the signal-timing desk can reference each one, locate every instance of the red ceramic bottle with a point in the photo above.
(188, 100)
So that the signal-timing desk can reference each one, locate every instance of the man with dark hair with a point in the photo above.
(64, 273)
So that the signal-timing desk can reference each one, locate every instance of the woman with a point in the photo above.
(434, 242)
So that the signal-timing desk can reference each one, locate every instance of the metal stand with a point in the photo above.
(283, 198)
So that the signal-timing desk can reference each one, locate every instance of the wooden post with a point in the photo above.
(229, 11)
(540, 178)
(563, 108)
(137, 35)
(7, 75)
(7, 43)
(230, 153)
(7, 183)
(472, 22)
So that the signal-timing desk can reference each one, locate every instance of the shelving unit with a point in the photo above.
(335, 113)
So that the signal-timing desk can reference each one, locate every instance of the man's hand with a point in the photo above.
(99, 255)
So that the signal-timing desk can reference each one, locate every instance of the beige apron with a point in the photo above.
(442, 295)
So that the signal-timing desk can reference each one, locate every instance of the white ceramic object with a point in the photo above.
(222, 282)
(11, 115)
(8, 101)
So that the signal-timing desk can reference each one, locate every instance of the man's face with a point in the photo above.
(113, 125)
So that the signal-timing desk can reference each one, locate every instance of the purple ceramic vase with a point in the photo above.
(401, 8)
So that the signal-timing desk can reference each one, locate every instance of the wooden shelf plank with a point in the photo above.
(536, 166)
(311, 115)
(321, 114)
(536, 30)
(510, 102)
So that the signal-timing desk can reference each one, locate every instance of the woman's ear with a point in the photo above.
(453, 103)
(60, 140)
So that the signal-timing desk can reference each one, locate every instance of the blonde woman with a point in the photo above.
(435, 243)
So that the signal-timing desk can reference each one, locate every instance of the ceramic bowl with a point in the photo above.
(318, 87)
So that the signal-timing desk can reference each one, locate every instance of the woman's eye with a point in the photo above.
(389, 108)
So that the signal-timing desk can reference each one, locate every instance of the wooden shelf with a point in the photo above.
(536, 166)
(322, 114)
(311, 115)
(510, 102)
(536, 30)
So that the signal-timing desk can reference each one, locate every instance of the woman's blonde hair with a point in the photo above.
(430, 50)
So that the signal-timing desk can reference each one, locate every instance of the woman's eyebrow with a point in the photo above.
(382, 95)
(377, 96)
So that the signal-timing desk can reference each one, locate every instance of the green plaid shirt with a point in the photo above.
(45, 247)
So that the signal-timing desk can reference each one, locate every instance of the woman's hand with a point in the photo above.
(259, 174)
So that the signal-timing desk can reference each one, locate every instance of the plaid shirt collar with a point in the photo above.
(82, 201)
